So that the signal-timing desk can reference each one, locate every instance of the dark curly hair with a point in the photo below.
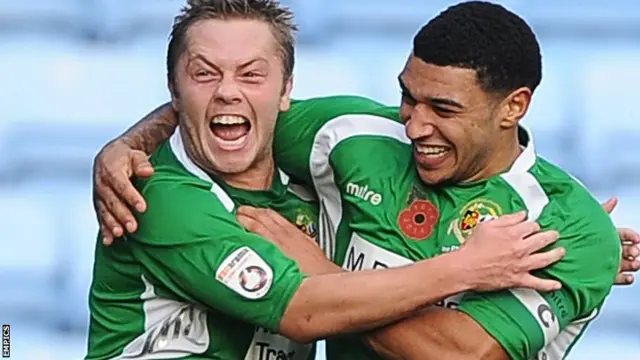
(487, 38)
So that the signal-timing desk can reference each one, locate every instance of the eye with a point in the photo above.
(253, 75)
(444, 112)
(202, 73)
(407, 98)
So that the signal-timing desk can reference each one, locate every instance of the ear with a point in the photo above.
(175, 96)
(285, 98)
(515, 107)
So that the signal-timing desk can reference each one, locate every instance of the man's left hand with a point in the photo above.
(630, 240)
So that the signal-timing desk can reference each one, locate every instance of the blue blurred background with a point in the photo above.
(75, 73)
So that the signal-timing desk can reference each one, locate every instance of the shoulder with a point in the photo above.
(349, 119)
(326, 109)
(545, 189)
(180, 205)
(559, 201)
(355, 145)
(568, 199)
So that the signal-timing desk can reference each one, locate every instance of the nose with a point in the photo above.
(227, 92)
(421, 124)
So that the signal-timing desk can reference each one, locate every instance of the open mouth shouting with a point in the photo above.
(230, 132)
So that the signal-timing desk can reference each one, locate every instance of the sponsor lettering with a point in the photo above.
(450, 248)
(233, 261)
(363, 192)
(269, 345)
(172, 330)
(266, 352)
(379, 265)
(560, 305)
(353, 263)
(356, 262)
(363, 255)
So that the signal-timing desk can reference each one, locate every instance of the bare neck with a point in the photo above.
(500, 158)
(257, 177)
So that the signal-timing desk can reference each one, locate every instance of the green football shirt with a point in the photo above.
(191, 283)
(376, 213)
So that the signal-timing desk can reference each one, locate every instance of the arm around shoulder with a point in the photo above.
(151, 130)
(333, 304)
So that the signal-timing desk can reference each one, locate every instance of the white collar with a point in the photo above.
(527, 157)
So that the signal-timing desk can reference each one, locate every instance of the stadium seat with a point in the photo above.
(125, 19)
(28, 260)
(610, 126)
(79, 84)
(44, 15)
(57, 114)
(591, 16)
(46, 170)
(312, 66)
(550, 116)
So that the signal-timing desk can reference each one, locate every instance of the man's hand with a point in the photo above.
(630, 240)
(501, 253)
(630, 252)
(113, 191)
(291, 240)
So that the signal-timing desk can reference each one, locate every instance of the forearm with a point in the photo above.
(436, 333)
(321, 268)
(333, 304)
(149, 132)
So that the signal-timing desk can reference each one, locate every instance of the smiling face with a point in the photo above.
(229, 87)
(460, 132)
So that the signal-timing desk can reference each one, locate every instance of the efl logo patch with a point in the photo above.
(246, 273)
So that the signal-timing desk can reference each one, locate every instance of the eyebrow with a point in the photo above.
(252, 61)
(204, 60)
(445, 101)
(432, 100)
(212, 65)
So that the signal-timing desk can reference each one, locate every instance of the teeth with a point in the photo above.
(431, 150)
(228, 120)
